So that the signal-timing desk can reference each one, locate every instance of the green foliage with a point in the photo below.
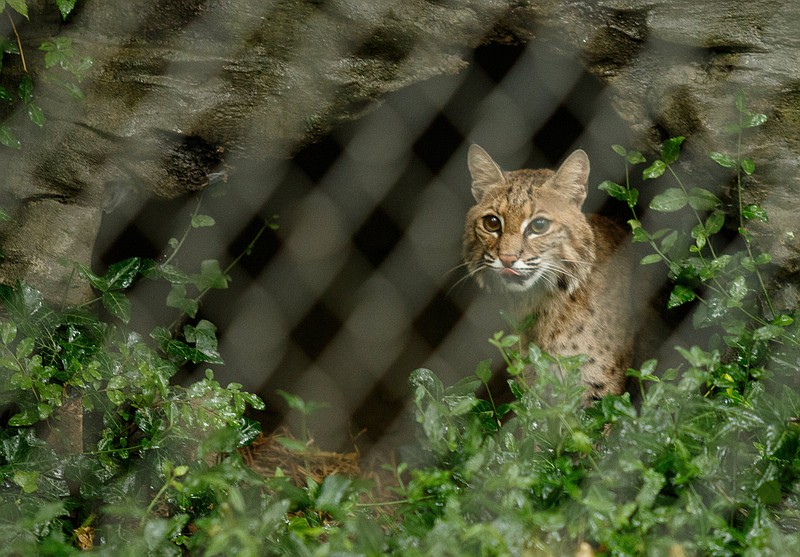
(708, 464)
(63, 65)
(730, 287)
(153, 462)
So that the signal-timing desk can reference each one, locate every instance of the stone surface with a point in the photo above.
(674, 68)
(176, 85)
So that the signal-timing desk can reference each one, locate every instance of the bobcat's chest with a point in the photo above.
(589, 322)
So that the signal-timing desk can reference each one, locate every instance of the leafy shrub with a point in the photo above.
(97, 446)
(64, 67)
(708, 464)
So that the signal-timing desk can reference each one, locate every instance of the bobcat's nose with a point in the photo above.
(507, 260)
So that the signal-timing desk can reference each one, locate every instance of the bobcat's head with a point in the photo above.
(526, 232)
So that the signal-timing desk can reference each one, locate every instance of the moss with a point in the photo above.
(786, 114)
(617, 43)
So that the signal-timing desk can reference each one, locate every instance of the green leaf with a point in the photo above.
(293, 445)
(117, 304)
(25, 91)
(748, 166)
(28, 480)
(292, 401)
(763, 259)
(722, 159)
(630, 196)
(177, 299)
(754, 120)
(654, 170)
(737, 291)
(650, 259)
(769, 493)
(333, 492)
(635, 157)
(680, 295)
(180, 470)
(620, 150)
(715, 222)
(783, 320)
(639, 233)
(8, 138)
(671, 149)
(35, 114)
(741, 102)
(580, 442)
(168, 272)
(29, 416)
(614, 190)
(122, 274)
(19, 6)
(484, 371)
(202, 221)
(672, 199)
(669, 241)
(8, 332)
(65, 7)
(703, 200)
(5, 95)
(204, 337)
(25, 348)
(211, 276)
(116, 396)
(53, 55)
(98, 282)
(652, 483)
(752, 211)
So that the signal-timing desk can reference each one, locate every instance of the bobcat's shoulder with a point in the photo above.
(527, 237)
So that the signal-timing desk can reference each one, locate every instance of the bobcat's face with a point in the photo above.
(527, 232)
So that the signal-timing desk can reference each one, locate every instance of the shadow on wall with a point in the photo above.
(361, 283)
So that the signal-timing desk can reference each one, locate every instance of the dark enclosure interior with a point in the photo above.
(361, 283)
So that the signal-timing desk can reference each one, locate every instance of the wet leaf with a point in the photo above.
(754, 212)
(122, 274)
(8, 138)
(117, 304)
(701, 199)
(654, 170)
(65, 7)
(19, 6)
(680, 295)
(202, 221)
(671, 149)
(672, 199)
(484, 371)
(722, 159)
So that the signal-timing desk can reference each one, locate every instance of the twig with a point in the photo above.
(19, 42)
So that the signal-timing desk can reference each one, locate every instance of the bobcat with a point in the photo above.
(527, 237)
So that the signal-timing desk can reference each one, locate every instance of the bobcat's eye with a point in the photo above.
(492, 223)
(539, 225)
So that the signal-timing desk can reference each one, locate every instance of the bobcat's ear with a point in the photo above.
(572, 177)
(485, 172)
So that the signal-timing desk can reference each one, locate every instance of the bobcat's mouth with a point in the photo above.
(514, 276)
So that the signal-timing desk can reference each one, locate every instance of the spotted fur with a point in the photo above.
(527, 237)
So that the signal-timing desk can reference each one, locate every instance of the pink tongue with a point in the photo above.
(510, 272)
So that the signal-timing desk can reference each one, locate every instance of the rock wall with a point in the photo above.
(177, 86)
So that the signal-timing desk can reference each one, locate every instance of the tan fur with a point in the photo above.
(573, 275)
